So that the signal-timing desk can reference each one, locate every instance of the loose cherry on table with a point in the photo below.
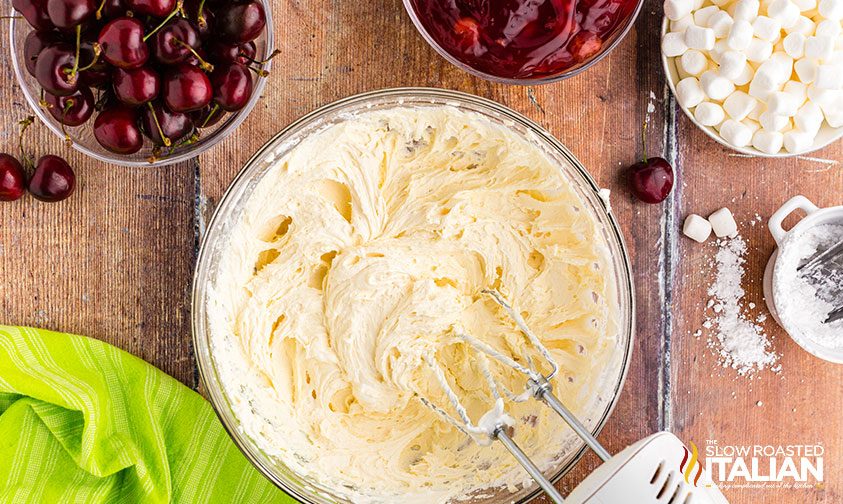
(12, 178)
(35, 13)
(116, 129)
(136, 86)
(163, 126)
(240, 23)
(68, 14)
(186, 88)
(53, 179)
(232, 86)
(651, 179)
(123, 44)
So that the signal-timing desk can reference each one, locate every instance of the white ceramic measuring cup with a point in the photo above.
(815, 216)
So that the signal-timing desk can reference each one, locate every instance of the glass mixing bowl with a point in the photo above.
(83, 135)
(229, 211)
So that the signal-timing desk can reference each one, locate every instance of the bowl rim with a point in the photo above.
(207, 371)
(621, 34)
(672, 74)
(116, 159)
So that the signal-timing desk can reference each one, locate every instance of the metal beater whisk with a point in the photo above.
(494, 425)
(825, 271)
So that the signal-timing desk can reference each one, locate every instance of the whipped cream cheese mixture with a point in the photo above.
(360, 255)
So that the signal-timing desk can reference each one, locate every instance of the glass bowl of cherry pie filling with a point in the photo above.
(523, 41)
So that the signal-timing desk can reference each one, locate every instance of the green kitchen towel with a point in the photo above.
(82, 421)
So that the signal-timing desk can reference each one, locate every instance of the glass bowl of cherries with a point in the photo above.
(523, 41)
(141, 82)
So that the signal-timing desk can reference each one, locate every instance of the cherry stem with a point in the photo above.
(644, 139)
(200, 17)
(164, 138)
(69, 105)
(204, 65)
(11, 17)
(97, 53)
(71, 75)
(24, 124)
(43, 101)
(210, 115)
(99, 10)
(259, 71)
(165, 21)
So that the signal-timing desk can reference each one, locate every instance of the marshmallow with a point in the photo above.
(746, 10)
(828, 28)
(735, 133)
(803, 25)
(720, 22)
(697, 37)
(805, 5)
(797, 89)
(806, 69)
(829, 77)
(808, 118)
(783, 11)
(677, 9)
(739, 104)
(709, 114)
(702, 16)
(831, 9)
(673, 44)
(732, 64)
(794, 45)
(769, 142)
(689, 93)
(767, 28)
(752, 125)
(819, 47)
(758, 50)
(682, 24)
(723, 223)
(746, 75)
(693, 62)
(782, 103)
(715, 86)
(796, 141)
(720, 47)
(833, 109)
(773, 122)
(696, 228)
(740, 35)
(822, 97)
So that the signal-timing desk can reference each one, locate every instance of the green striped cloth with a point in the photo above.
(82, 421)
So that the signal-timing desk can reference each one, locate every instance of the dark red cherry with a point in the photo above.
(53, 70)
(174, 125)
(35, 42)
(116, 130)
(651, 180)
(67, 14)
(136, 86)
(53, 179)
(241, 22)
(112, 9)
(220, 52)
(172, 43)
(35, 13)
(207, 116)
(186, 88)
(74, 109)
(154, 8)
(232, 86)
(122, 43)
(12, 178)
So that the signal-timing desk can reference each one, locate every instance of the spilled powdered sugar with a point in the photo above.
(739, 341)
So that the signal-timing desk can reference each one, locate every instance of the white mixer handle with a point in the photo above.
(794, 203)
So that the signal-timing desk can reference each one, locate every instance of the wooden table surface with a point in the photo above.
(115, 261)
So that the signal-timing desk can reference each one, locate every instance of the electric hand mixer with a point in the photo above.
(658, 469)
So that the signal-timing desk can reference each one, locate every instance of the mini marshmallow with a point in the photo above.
(828, 28)
(803, 25)
(697, 37)
(823, 97)
(702, 16)
(831, 9)
(677, 9)
(746, 10)
(723, 223)
(796, 141)
(740, 35)
(794, 45)
(732, 64)
(693, 62)
(758, 50)
(709, 114)
(783, 11)
(753, 126)
(689, 93)
(767, 28)
(805, 5)
(673, 44)
(797, 89)
(833, 109)
(721, 23)
(819, 47)
(782, 103)
(769, 142)
(829, 77)
(696, 228)
(735, 133)
(682, 24)
(739, 104)
(773, 122)
(759, 89)
(806, 69)
(720, 48)
(715, 86)
(808, 118)
(746, 75)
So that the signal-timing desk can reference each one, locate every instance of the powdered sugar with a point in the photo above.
(740, 342)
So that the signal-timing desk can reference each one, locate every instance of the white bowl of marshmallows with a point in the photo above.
(763, 77)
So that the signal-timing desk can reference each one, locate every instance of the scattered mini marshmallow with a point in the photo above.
(721, 23)
(794, 45)
(693, 62)
(723, 223)
(831, 9)
(697, 37)
(808, 118)
(796, 141)
(739, 104)
(773, 122)
(783, 11)
(689, 93)
(715, 86)
(746, 10)
(769, 142)
(767, 28)
(783, 103)
(696, 228)
(758, 50)
(709, 114)
(829, 77)
(740, 35)
(736, 133)
(677, 9)
(820, 48)
(673, 44)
